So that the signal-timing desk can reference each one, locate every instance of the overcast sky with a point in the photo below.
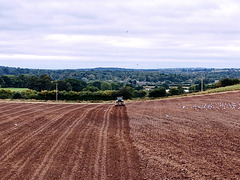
(60, 34)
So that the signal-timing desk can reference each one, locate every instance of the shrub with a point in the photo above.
(6, 94)
(17, 95)
(73, 95)
(29, 94)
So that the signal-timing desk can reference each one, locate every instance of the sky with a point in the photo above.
(140, 34)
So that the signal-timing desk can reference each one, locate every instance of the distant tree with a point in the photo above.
(91, 88)
(165, 85)
(68, 87)
(159, 92)
(226, 82)
(77, 85)
(33, 83)
(133, 82)
(174, 91)
(45, 82)
(106, 86)
(116, 86)
(22, 81)
(180, 89)
(2, 81)
(140, 93)
(9, 81)
(229, 82)
(62, 85)
(192, 88)
(235, 81)
(96, 84)
(126, 91)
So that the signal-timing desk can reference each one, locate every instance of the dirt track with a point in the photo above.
(187, 138)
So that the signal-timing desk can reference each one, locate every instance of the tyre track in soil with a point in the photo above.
(36, 121)
(85, 168)
(38, 148)
(100, 157)
(75, 167)
(126, 164)
(21, 142)
(48, 159)
(102, 149)
(100, 161)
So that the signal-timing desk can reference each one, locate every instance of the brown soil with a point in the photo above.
(61, 141)
(184, 138)
(188, 138)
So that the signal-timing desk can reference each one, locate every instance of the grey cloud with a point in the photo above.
(107, 32)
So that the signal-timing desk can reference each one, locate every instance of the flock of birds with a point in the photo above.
(221, 106)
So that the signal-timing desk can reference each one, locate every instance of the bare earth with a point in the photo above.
(188, 138)
(185, 138)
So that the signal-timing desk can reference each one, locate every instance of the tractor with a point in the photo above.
(120, 101)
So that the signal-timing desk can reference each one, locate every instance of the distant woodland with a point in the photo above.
(108, 83)
(177, 76)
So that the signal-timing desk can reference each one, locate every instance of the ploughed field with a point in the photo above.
(188, 138)
(185, 138)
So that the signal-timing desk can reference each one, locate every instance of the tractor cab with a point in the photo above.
(120, 101)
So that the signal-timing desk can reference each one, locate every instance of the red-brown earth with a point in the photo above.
(182, 138)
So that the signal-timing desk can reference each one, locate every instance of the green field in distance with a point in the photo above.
(15, 89)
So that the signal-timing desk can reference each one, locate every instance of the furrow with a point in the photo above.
(78, 150)
(37, 147)
(34, 133)
(34, 120)
(15, 111)
(124, 139)
(48, 159)
(99, 155)
(104, 152)
(6, 106)
(86, 169)
(21, 120)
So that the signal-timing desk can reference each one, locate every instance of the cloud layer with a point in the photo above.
(133, 34)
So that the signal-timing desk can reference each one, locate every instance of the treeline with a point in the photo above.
(221, 83)
(227, 82)
(45, 82)
(43, 88)
(89, 75)
(126, 91)
(149, 76)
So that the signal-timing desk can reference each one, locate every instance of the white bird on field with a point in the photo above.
(15, 124)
